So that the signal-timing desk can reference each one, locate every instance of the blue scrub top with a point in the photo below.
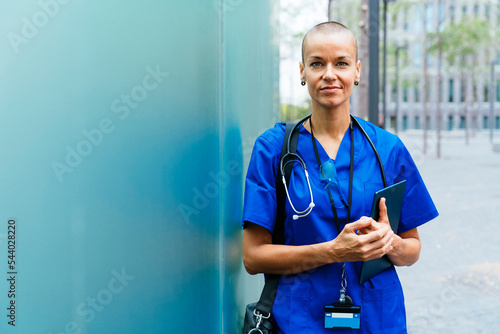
(300, 299)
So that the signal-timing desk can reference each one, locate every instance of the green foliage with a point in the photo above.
(290, 112)
(461, 40)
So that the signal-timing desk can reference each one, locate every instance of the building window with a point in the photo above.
(405, 94)
(451, 89)
(487, 12)
(497, 97)
(430, 60)
(393, 122)
(450, 122)
(394, 93)
(464, 9)
(452, 14)
(417, 122)
(497, 122)
(476, 9)
(416, 92)
(486, 93)
(406, 24)
(405, 122)
(441, 15)
(462, 122)
(417, 19)
(428, 18)
(485, 122)
(417, 55)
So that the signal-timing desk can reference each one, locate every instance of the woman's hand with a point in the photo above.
(260, 255)
(362, 240)
(406, 246)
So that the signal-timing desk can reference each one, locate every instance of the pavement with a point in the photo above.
(455, 285)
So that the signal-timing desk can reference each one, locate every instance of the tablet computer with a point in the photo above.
(394, 196)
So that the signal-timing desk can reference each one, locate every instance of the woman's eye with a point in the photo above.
(315, 64)
(342, 63)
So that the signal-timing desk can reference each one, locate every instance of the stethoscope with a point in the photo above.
(290, 157)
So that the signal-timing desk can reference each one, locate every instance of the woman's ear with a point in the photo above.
(302, 71)
(358, 71)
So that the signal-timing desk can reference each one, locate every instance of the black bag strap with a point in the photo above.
(265, 304)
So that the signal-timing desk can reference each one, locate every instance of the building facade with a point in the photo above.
(466, 95)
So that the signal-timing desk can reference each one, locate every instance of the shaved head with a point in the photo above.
(330, 27)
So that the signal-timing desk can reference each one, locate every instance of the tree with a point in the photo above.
(425, 112)
(460, 43)
(439, 83)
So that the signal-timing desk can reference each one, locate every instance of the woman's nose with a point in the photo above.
(329, 73)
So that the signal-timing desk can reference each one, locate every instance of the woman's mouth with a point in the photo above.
(329, 89)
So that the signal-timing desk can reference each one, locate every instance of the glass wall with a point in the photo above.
(125, 129)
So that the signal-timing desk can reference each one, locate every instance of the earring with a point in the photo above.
(356, 83)
(303, 83)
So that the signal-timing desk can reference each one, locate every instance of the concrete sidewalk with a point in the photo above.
(455, 286)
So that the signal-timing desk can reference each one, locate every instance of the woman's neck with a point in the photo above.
(331, 124)
(329, 128)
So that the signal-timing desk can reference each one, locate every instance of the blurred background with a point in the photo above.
(126, 130)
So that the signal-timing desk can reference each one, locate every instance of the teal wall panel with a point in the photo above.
(124, 136)
(250, 104)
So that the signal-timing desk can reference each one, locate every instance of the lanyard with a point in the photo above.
(351, 172)
(343, 280)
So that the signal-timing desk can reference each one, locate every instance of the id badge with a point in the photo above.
(342, 316)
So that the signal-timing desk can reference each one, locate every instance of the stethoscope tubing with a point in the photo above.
(297, 158)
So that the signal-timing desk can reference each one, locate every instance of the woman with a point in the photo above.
(316, 256)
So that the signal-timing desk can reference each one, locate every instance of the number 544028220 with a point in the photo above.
(11, 240)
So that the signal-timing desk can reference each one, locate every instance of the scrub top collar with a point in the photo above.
(343, 153)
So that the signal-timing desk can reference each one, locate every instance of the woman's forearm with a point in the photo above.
(406, 249)
(282, 259)
(260, 255)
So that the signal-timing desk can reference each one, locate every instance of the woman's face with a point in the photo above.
(330, 68)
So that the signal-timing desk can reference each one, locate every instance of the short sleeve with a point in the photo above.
(418, 207)
(260, 185)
